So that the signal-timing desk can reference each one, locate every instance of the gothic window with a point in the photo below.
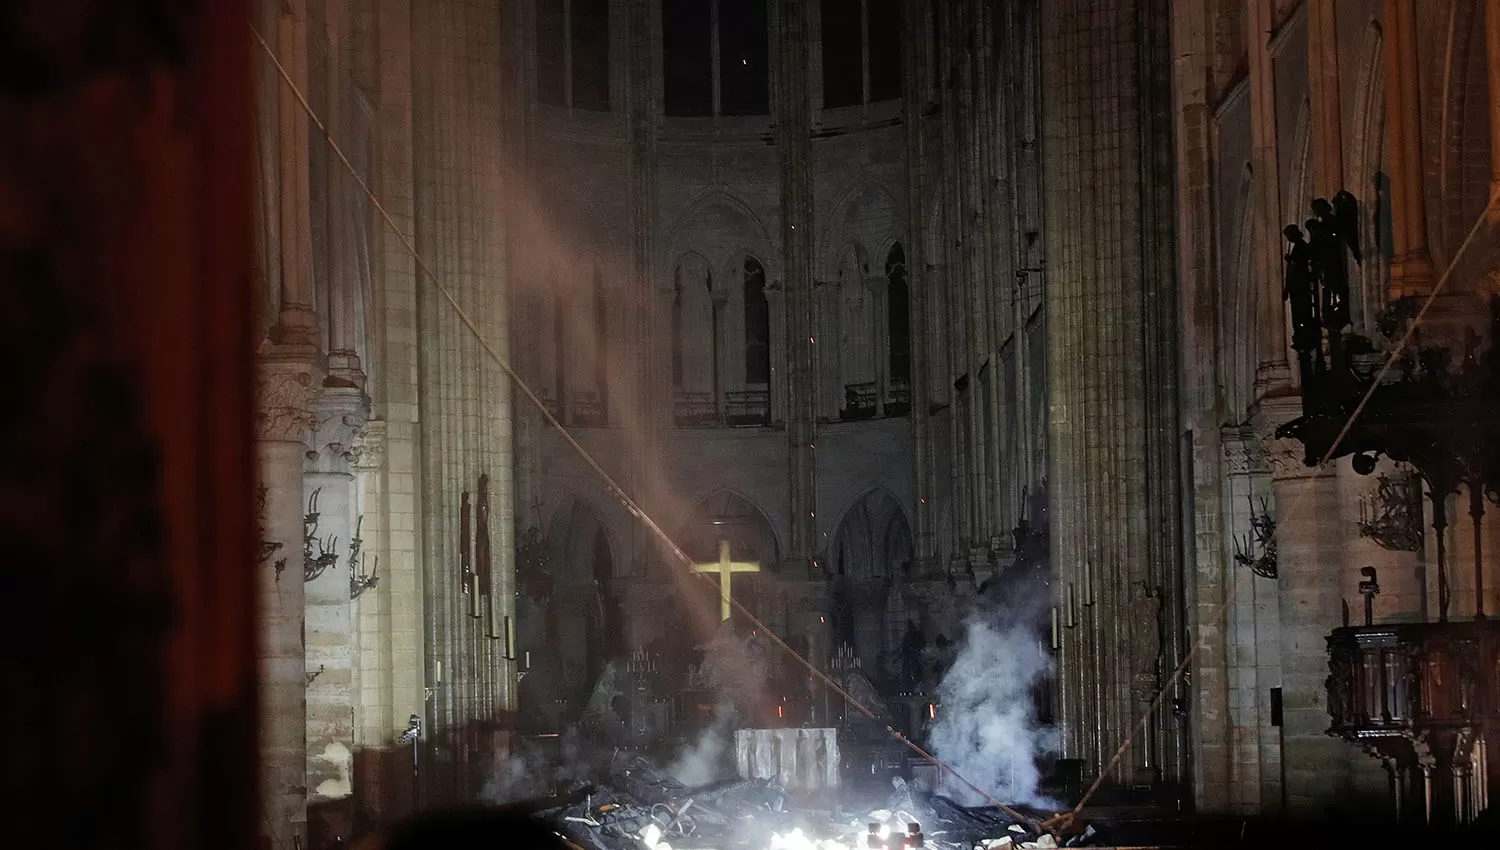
(757, 325)
(695, 343)
(551, 50)
(884, 33)
(572, 40)
(898, 317)
(744, 81)
(843, 63)
(856, 330)
(715, 57)
(687, 57)
(861, 51)
(590, 54)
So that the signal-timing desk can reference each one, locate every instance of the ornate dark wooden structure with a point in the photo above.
(1422, 697)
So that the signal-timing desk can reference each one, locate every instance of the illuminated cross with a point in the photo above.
(726, 568)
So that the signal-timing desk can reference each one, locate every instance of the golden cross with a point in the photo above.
(726, 568)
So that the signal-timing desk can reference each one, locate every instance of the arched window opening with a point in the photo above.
(589, 48)
(843, 62)
(715, 57)
(898, 331)
(757, 325)
(572, 41)
(751, 405)
(744, 78)
(857, 347)
(695, 344)
(861, 51)
(551, 53)
(687, 57)
(885, 49)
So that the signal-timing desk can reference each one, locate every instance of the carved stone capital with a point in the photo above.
(282, 393)
(367, 450)
(1285, 459)
(1242, 451)
(339, 414)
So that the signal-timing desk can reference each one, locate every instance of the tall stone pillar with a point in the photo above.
(1273, 371)
(328, 482)
(1323, 91)
(1411, 270)
(794, 138)
(1492, 48)
(1308, 586)
(464, 404)
(915, 86)
(1112, 372)
(297, 324)
(282, 420)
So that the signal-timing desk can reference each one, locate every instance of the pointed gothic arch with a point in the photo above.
(870, 551)
(898, 325)
(583, 560)
(696, 332)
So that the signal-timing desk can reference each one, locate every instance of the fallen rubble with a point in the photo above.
(637, 806)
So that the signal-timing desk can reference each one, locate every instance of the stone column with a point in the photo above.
(371, 639)
(328, 483)
(282, 420)
(1411, 271)
(794, 139)
(776, 305)
(1308, 588)
(1273, 371)
(914, 97)
(1323, 91)
(343, 263)
(1112, 316)
(297, 324)
(1492, 46)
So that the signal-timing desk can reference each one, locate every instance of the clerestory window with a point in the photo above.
(861, 51)
(715, 57)
(572, 40)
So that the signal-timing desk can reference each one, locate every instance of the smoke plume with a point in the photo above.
(987, 728)
(702, 761)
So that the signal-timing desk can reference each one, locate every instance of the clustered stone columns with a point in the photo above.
(1110, 301)
(1309, 588)
(794, 138)
(282, 421)
(1411, 269)
(328, 483)
(915, 85)
(1492, 48)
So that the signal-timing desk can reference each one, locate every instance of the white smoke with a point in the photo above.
(702, 761)
(735, 669)
(529, 771)
(987, 728)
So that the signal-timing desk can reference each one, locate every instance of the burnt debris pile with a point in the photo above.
(637, 806)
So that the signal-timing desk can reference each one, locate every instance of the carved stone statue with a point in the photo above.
(1145, 638)
(1328, 264)
(1300, 290)
(1346, 213)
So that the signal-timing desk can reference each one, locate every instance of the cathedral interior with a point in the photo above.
(1079, 405)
